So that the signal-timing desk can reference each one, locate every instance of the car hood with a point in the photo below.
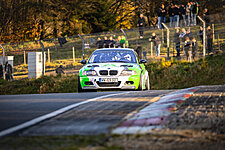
(110, 66)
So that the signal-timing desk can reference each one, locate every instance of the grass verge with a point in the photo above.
(47, 84)
(181, 74)
(172, 74)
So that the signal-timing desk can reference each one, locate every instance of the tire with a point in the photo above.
(79, 86)
(147, 84)
(140, 87)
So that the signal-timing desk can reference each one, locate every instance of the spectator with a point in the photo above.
(106, 42)
(111, 42)
(194, 13)
(209, 35)
(194, 48)
(118, 42)
(8, 71)
(141, 25)
(177, 41)
(200, 34)
(183, 14)
(122, 42)
(161, 16)
(59, 70)
(139, 51)
(176, 15)
(1, 71)
(188, 48)
(157, 43)
(188, 34)
(206, 16)
(182, 36)
(99, 43)
(188, 13)
(171, 14)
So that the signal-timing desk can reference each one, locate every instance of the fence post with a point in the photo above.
(162, 36)
(213, 28)
(43, 58)
(151, 49)
(204, 35)
(24, 57)
(125, 37)
(49, 56)
(83, 42)
(3, 65)
(73, 55)
(168, 40)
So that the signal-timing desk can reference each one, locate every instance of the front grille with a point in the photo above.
(108, 84)
(103, 72)
(113, 72)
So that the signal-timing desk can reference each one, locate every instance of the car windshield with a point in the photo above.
(102, 56)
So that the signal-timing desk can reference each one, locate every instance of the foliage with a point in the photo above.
(25, 20)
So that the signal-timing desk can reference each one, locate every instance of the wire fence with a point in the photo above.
(68, 50)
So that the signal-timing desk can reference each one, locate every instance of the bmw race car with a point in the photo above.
(113, 68)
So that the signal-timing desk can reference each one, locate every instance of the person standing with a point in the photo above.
(106, 42)
(161, 16)
(182, 37)
(177, 41)
(1, 71)
(139, 51)
(157, 43)
(111, 42)
(8, 71)
(188, 13)
(176, 15)
(183, 14)
(200, 34)
(194, 13)
(99, 43)
(194, 48)
(206, 16)
(171, 14)
(188, 48)
(141, 25)
(209, 35)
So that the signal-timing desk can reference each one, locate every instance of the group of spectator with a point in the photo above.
(188, 42)
(120, 42)
(8, 71)
(179, 15)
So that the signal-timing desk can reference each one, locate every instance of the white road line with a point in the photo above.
(52, 114)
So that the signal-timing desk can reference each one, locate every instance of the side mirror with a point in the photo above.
(83, 61)
(142, 61)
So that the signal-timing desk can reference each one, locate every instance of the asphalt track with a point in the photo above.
(80, 113)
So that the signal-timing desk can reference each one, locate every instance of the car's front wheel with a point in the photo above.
(147, 84)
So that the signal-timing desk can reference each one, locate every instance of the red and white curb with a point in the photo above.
(154, 115)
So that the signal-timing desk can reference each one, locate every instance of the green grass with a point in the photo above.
(181, 74)
(47, 84)
(75, 142)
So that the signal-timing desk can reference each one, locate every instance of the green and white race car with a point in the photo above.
(113, 68)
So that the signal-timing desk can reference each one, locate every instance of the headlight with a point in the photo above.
(89, 73)
(128, 73)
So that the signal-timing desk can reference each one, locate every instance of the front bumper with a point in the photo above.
(124, 82)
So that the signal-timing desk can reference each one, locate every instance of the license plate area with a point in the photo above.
(108, 80)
